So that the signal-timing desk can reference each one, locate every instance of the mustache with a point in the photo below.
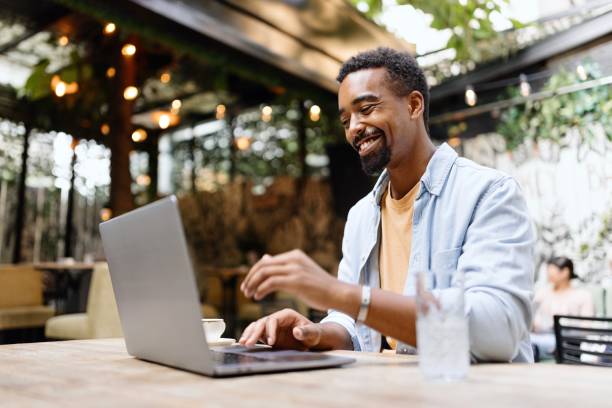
(364, 134)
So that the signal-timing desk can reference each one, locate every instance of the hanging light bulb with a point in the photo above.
(139, 135)
(60, 89)
(106, 214)
(176, 106)
(63, 41)
(164, 121)
(454, 141)
(130, 93)
(315, 113)
(128, 50)
(220, 112)
(105, 129)
(582, 73)
(243, 142)
(165, 77)
(524, 86)
(266, 113)
(470, 96)
(109, 28)
(143, 180)
(110, 72)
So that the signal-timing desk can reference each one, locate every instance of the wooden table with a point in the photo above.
(101, 373)
(68, 279)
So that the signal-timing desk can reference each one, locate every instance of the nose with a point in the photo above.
(354, 129)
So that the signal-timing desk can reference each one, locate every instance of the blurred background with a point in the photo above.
(231, 105)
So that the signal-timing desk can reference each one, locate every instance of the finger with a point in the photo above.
(309, 334)
(264, 259)
(295, 256)
(271, 285)
(257, 333)
(271, 328)
(246, 333)
(265, 273)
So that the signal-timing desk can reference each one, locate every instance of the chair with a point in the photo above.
(101, 318)
(597, 294)
(21, 298)
(608, 298)
(583, 340)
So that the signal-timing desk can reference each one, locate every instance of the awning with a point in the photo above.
(307, 38)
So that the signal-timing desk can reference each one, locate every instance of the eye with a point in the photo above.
(366, 109)
(344, 122)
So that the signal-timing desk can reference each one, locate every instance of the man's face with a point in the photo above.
(376, 121)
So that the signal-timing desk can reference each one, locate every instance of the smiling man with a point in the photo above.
(429, 211)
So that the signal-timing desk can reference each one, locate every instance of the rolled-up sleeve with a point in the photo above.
(347, 272)
(497, 259)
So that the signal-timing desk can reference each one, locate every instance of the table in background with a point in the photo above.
(71, 283)
(101, 373)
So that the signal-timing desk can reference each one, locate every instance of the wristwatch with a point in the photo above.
(365, 304)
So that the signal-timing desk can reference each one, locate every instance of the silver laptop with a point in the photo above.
(156, 294)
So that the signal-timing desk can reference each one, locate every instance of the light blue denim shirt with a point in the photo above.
(466, 217)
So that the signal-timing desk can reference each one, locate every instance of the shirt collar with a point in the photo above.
(434, 178)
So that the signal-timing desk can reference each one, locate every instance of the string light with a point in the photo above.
(109, 28)
(470, 96)
(72, 88)
(128, 50)
(63, 41)
(164, 121)
(581, 71)
(130, 93)
(105, 129)
(60, 89)
(243, 142)
(220, 112)
(139, 135)
(110, 72)
(143, 180)
(176, 106)
(524, 86)
(106, 214)
(454, 141)
(165, 77)
(315, 113)
(266, 113)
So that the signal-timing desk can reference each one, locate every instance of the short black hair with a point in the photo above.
(404, 72)
(562, 262)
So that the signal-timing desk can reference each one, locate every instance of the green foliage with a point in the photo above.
(470, 23)
(552, 118)
(37, 84)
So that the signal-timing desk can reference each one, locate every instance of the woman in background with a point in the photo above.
(558, 298)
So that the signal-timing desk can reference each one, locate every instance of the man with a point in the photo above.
(429, 210)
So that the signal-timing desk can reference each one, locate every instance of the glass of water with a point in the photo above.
(442, 329)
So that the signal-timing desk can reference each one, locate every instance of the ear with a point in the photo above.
(417, 104)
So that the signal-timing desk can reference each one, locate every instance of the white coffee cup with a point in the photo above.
(213, 328)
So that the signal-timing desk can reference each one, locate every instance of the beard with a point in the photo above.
(375, 162)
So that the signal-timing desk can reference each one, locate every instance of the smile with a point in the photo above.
(369, 144)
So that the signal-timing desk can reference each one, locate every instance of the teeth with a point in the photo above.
(366, 144)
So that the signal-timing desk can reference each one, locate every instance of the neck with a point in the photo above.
(561, 286)
(405, 175)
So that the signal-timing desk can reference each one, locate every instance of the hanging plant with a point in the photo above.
(553, 118)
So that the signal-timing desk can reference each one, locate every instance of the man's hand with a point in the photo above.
(293, 272)
(285, 329)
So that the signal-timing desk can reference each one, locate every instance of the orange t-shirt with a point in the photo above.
(396, 241)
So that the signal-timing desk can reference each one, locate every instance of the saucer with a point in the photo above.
(221, 342)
